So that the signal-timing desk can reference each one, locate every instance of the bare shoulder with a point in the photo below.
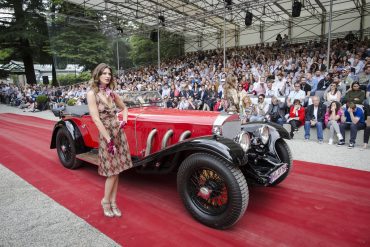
(90, 93)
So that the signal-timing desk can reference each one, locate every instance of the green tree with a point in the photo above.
(77, 37)
(144, 51)
(25, 31)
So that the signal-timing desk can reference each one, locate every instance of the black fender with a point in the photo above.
(73, 130)
(219, 146)
(250, 127)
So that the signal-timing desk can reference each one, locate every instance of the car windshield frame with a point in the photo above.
(141, 98)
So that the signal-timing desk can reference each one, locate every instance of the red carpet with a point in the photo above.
(316, 206)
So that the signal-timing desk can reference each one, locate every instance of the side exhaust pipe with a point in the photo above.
(149, 141)
(186, 134)
(166, 136)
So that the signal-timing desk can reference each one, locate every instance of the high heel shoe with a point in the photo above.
(115, 209)
(107, 209)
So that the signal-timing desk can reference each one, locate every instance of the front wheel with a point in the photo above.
(66, 149)
(213, 191)
(285, 156)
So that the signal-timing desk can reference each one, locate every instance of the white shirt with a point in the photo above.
(315, 109)
(296, 95)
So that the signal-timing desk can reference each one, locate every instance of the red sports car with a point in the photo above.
(215, 157)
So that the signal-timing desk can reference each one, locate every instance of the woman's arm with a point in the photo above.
(93, 109)
(122, 106)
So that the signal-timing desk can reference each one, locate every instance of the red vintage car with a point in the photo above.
(215, 157)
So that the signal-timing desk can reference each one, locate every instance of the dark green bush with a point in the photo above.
(71, 102)
(41, 99)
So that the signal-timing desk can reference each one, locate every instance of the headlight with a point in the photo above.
(217, 130)
(245, 141)
(263, 134)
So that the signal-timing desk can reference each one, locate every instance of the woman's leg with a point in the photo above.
(113, 196)
(109, 184)
(331, 128)
(113, 199)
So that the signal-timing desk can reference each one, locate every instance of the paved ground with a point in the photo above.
(30, 218)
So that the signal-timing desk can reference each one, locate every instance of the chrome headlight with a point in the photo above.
(244, 140)
(263, 134)
(217, 130)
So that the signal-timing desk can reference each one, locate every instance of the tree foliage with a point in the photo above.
(25, 31)
(145, 51)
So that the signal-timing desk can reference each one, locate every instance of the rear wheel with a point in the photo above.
(285, 156)
(213, 191)
(66, 149)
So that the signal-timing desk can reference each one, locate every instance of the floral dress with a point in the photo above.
(110, 165)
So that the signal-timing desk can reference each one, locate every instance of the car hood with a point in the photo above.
(157, 114)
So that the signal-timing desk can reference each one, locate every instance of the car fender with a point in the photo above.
(224, 148)
(73, 130)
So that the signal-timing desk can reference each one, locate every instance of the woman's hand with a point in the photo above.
(122, 124)
(111, 148)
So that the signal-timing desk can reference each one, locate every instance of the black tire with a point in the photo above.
(66, 149)
(205, 172)
(285, 155)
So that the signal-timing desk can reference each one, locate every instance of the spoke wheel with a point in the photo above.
(66, 149)
(213, 191)
(208, 191)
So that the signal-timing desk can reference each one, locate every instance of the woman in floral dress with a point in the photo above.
(114, 154)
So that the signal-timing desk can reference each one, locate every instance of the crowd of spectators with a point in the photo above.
(280, 82)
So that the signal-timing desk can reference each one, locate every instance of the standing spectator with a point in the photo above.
(296, 116)
(314, 117)
(353, 119)
(332, 120)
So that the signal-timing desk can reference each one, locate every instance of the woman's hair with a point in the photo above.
(249, 101)
(336, 88)
(337, 108)
(296, 101)
(353, 83)
(97, 72)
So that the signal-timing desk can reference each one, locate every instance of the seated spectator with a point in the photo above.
(261, 109)
(276, 111)
(184, 104)
(314, 117)
(346, 78)
(296, 116)
(315, 81)
(332, 120)
(332, 95)
(364, 76)
(305, 87)
(260, 87)
(297, 94)
(354, 120)
(323, 85)
(270, 91)
(192, 104)
(367, 129)
(247, 109)
(355, 95)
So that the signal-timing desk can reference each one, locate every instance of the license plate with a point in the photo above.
(278, 173)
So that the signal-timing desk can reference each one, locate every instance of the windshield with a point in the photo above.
(142, 98)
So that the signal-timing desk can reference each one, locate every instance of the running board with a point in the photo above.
(89, 157)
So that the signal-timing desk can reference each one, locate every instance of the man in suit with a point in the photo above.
(315, 115)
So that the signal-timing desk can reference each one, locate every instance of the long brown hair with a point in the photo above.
(97, 72)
